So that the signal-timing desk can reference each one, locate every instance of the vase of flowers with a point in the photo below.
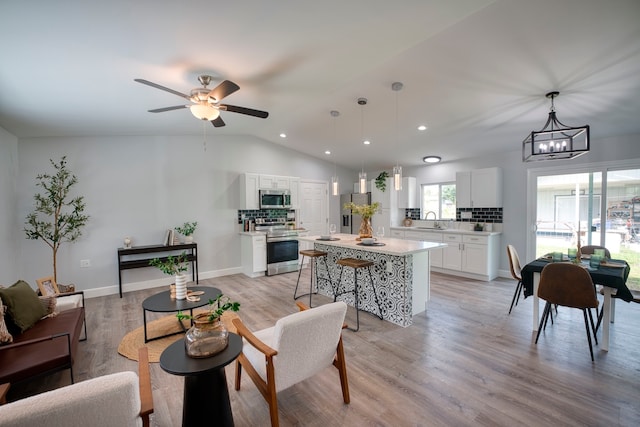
(208, 336)
(366, 212)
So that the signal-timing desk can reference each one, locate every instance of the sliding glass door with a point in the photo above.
(600, 207)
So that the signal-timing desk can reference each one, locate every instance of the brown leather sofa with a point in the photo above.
(48, 346)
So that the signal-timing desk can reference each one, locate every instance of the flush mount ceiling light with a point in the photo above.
(555, 140)
(431, 159)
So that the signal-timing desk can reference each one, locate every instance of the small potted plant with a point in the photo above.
(208, 336)
(187, 229)
(174, 266)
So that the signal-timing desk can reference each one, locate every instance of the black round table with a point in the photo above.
(205, 384)
(162, 303)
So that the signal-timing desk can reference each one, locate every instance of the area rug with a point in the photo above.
(133, 340)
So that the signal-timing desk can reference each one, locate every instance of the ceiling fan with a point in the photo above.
(205, 102)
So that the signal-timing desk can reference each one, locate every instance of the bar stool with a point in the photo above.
(313, 255)
(356, 264)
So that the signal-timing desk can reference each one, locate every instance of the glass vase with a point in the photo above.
(365, 230)
(206, 337)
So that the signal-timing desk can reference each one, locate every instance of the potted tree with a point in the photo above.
(208, 335)
(174, 266)
(187, 229)
(57, 218)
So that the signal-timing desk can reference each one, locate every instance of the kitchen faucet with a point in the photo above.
(426, 216)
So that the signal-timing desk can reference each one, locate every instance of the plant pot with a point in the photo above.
(365, 230)
(206, 337)
(181, 286)
(188, 239)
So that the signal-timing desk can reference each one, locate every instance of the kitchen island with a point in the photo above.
(400, 274)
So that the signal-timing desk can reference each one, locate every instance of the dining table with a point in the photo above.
(611, 275)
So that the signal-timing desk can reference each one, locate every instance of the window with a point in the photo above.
(439, 198)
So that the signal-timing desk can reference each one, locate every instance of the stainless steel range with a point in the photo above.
(282, 245)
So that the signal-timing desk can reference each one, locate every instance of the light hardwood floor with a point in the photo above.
(463, 362)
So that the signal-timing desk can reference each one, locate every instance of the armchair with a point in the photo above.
(296, 348)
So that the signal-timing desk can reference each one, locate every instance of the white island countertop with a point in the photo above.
(398, 247)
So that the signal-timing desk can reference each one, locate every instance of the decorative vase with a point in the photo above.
(188, 239)
(181, 286)
(206, 337)
(365, 230)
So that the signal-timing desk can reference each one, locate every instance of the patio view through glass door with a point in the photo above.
(576, 204)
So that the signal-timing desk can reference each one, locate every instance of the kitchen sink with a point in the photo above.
(428, 228)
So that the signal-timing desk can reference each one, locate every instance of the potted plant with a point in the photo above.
(174, 266)
(187, 229)
(208, 336)
(381, 181)
(366, 212)
(57, 218)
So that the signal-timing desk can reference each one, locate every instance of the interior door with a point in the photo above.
(313, 214)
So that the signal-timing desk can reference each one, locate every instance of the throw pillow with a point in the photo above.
(23, 305)
(49, 304)
(5, 336)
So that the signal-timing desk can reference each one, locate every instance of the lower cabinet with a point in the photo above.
(466, 254)
(435, 255)
(253, 250)
(304, 245)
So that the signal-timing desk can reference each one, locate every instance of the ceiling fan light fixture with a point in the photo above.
(203, 111)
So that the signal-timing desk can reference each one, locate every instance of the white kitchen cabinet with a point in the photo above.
(274, 182)
(249, 191)
(304, 245)
(435, 255)
(452, 253)
(475, 256)
(388, 198)
(480, 188)
(408, 196)
(294, 188)
(397, 234)
(253, 254)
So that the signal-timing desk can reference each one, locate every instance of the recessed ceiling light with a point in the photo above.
(327, 152)
(283, 135)
(431, 159)
(422, 127)
(366, 142)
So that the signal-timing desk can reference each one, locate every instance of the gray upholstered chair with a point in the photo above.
(298, 347)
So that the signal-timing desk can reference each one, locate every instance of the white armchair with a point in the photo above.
(120, 399)
(296, 348)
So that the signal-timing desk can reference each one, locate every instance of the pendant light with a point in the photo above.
(362, 176)
(555, 141)
(335, 185)
(397, 169)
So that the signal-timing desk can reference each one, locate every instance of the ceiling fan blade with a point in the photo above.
(166, 89)
(244, 110)
(218, 122)
(162, 110)
(224, 89)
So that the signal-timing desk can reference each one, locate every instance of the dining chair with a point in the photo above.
(568, 285)
(516, 273)
(298, 347)
(590, 249)
(636, 299)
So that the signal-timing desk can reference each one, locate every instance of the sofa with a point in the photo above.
(121, 399)
(35, 339)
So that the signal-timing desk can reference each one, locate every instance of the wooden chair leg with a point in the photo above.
(271, 396)
(341, 365)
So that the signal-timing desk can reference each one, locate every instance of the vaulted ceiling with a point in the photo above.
(475, 72)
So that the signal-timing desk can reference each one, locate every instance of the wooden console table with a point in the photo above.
(190, 248)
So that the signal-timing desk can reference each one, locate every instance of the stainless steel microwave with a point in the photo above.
(274, 199)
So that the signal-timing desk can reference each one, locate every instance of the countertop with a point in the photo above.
(398, 247)
(447, 230)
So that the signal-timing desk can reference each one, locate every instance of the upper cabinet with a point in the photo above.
(294, 188)
(480, 188)
(274, 182)
(408, 196)
(388, 198)
(249, 191)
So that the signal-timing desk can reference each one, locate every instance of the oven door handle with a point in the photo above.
(281, 239)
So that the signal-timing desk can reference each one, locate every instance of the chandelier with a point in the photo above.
(555, 141)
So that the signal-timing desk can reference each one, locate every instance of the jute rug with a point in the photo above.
(135, 339)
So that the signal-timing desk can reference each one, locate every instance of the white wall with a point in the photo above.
(141, 186)
(10, 226)
(515, 181)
